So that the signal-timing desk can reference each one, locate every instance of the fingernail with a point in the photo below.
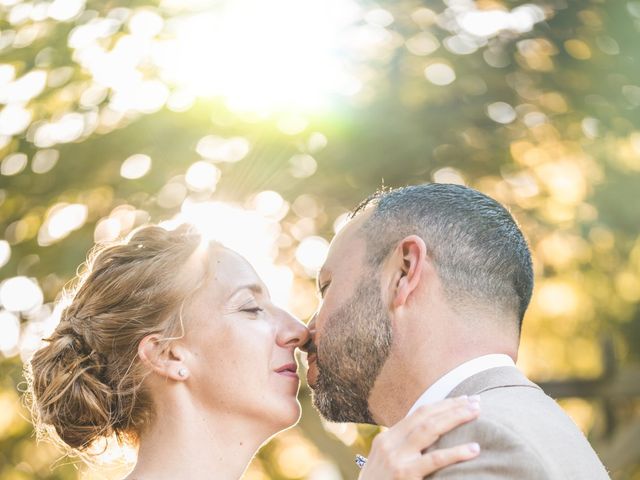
(474, 448)
(463, 397)
(474, 406)
(474, 398)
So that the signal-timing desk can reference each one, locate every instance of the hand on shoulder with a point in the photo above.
(400, 452)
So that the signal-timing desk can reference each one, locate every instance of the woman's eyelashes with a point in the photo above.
(251, 307)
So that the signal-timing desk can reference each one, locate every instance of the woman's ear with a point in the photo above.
(411, 255)
(166, 358)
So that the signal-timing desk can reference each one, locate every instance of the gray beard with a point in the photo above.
(355, 345)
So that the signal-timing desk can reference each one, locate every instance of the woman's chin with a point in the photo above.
(286, 413)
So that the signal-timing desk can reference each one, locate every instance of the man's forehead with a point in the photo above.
(346, 244)
(351, 229)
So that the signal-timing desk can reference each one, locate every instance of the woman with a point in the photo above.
(173, 344)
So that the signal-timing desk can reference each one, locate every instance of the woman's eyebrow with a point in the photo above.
(253, 287)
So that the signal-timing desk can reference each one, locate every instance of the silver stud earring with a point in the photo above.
(182, 372)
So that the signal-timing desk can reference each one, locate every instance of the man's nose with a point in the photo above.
(309, 346)
(311, 324)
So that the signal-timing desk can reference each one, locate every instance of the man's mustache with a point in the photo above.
(310, 347)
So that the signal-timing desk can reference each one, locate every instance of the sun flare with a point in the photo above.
(262, 56)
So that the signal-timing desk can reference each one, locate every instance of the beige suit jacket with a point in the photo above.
(522, 432)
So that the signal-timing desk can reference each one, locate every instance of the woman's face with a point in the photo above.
(241, 346)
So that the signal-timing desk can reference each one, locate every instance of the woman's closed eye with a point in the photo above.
(253, 310)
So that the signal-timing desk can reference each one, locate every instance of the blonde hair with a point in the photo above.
(87, 382)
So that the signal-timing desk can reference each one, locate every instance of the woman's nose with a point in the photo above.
(292, 332)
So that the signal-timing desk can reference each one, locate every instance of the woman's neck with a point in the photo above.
(189, 443)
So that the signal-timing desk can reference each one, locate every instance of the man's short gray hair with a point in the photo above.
(480, 254)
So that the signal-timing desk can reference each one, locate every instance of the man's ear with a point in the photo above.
(411, 254)
(166, 358)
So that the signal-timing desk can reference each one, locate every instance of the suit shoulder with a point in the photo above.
(491, 432)
(525, 433)
(503, 453)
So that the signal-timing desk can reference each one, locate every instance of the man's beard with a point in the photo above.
(355, 345)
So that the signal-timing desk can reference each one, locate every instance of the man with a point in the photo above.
(424, 292)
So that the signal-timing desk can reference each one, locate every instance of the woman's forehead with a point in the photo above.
(229, 268)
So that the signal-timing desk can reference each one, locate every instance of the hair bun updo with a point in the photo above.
(86, 383)
(72, 393)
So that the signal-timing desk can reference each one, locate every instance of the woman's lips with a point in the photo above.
(289, 370)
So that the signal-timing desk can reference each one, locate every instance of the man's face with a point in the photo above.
(351, 330)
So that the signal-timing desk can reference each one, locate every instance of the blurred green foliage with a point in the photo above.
(536, 104)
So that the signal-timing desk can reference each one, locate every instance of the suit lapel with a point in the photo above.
(498, 377)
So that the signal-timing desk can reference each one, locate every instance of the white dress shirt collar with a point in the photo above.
(445, 384)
